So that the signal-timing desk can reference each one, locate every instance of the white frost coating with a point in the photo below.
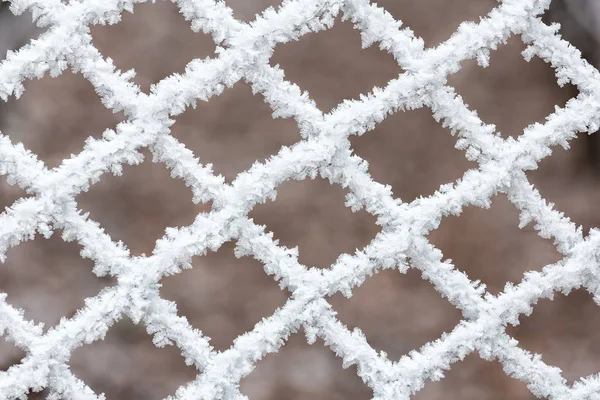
(325, 151)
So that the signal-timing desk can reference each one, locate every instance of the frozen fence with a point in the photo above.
(243, 53)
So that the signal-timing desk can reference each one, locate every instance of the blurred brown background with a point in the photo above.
(224, 296)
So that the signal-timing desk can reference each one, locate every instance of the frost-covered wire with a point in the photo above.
(243, 53)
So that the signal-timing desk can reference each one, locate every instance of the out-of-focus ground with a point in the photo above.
(224, 296)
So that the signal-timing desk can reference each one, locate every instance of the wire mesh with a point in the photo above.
(243, 52)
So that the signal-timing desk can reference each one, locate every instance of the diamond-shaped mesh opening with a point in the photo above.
(412, 153)
(55, 116)
(524, 92)
(48, 279)
(374, 309)
(224, 296)
(9, 193)
(233, 130)
(490, 246)
(155, 40)
(436, 20)
(564, 331)
(473, 379)
(247, 10)
(137, 206)
(9, 354)
(300, 371)
(331, 65)
(311, 215)
(127, 365)
(571, 180)
(15, 30)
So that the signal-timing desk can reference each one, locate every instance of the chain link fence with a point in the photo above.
(243, 53)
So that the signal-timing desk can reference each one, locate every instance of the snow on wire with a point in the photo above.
(243, 52)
